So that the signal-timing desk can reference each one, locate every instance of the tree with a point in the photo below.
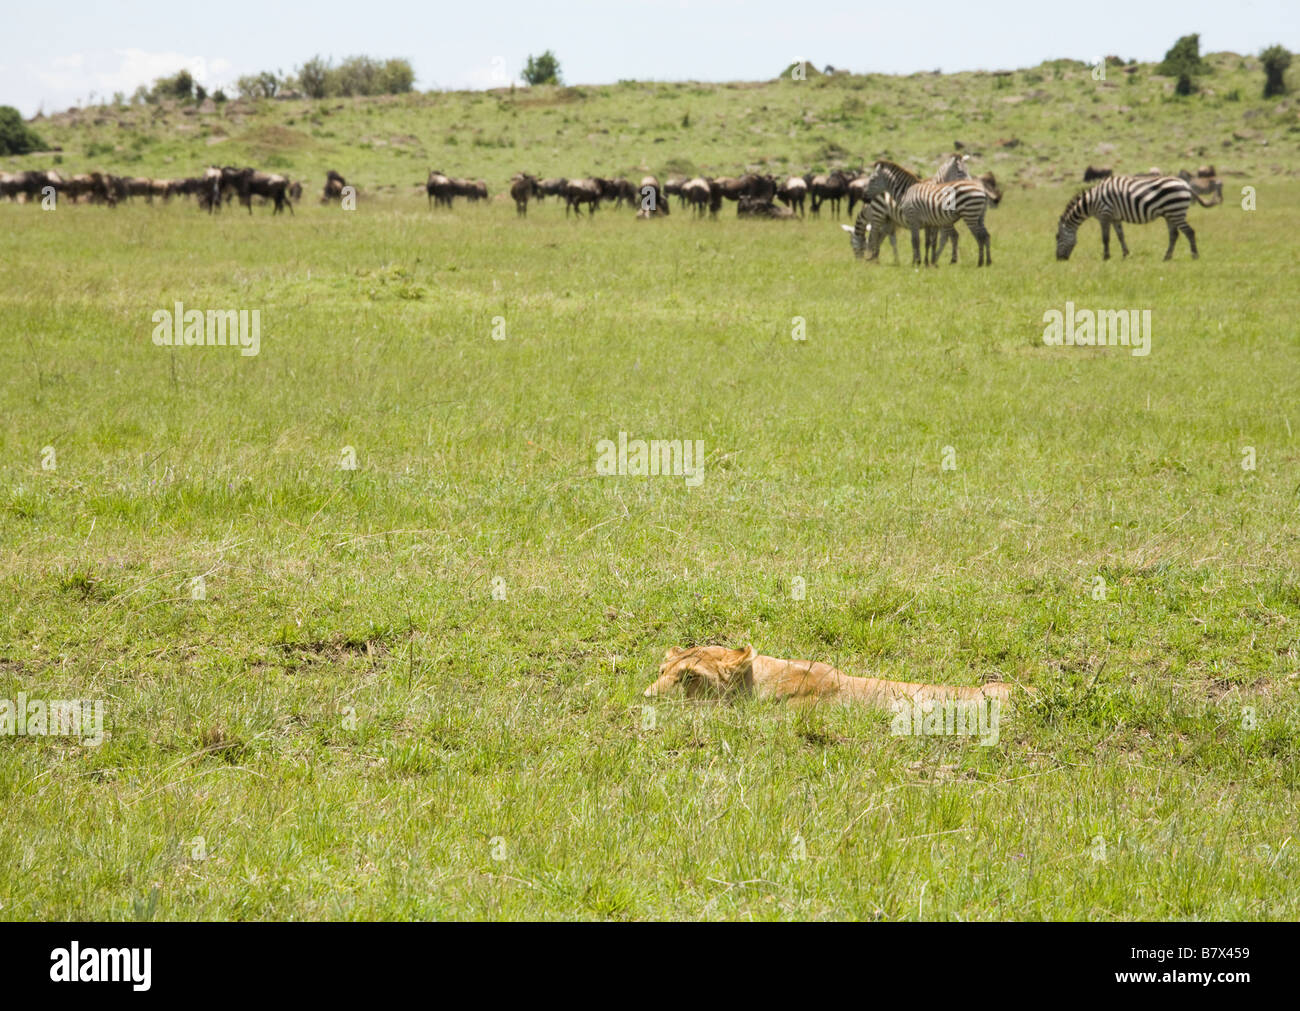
(313, 78)
(1276, 60)
(397, 77)
(179, 86)
(16, 137)
(263, 85)
(544, 69)
(1184, 62)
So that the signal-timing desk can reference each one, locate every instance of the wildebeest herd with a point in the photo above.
(214, 188)
(891, 196)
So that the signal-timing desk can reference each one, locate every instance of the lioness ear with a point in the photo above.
(747, 659)
(673, 653)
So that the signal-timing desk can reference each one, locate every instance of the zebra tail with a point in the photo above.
(1218, 197)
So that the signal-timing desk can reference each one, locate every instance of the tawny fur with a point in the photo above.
(716, 670)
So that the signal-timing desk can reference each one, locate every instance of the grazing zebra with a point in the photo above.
(933, 205)
(1133, 199)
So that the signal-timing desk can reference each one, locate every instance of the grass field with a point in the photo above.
(351, 724)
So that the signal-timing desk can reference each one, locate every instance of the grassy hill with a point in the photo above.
(1032, 127)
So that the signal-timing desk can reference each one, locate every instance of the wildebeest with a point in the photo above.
(749, 185)
(29, 184)
(1204, 182)
(831, 188)
(991, 186)
(440, 188)
(209, 189)
(700, 193)
(646, 207)
(793, 191)
(551, 188)
(1092, 172)
(673, 188)
(857, 192)
(582, 191)
(755, 207)
(523, 186)
(334, 183)
(249, 182)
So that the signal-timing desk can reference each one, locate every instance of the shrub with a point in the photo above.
(544, 69)
(16, 137)
(1276, 59)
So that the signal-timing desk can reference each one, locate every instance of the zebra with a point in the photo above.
(933, 205)
(1136, 200)
(951, 169)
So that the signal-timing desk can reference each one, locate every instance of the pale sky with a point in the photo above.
(56, 55)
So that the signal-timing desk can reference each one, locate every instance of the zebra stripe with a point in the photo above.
(933, 205)
(1133, 200)
(951, 170)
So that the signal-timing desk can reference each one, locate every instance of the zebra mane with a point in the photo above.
(1075, 201)
(885, 162)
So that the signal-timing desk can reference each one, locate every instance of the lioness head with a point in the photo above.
(704, 670)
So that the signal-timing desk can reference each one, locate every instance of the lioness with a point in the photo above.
(704, 670)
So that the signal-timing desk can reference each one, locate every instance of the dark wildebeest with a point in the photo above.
(754, 207)
(551, 188)
(991, 187)
(523, 186)
(857, 192)
(464, 188)
(833, 187)
(793, 192)
(1091, 173)
(673, 188)
(249, 183)
(30, 183)
(334, 184)
(209, 191)
(698, 193)
(295, 190)
(582, 191)
(619, 190)
(731, 187)
(649, 198)
(439, 188)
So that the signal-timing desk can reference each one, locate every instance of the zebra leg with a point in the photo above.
(951, 233)
(1173, 238)
(938, 249)
(985, 243)
(1119, 234)
(916, 246)
(1105, 238)
(1186, 229)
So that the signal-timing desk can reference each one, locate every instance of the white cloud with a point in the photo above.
(75, 76)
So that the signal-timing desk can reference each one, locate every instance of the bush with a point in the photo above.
(1276, 59)
(263, 85)
(544, 69)
(16, 137)
(357, 75)
(1184, 62)
(180, 86)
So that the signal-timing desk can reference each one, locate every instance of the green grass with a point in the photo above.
(352, 724)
